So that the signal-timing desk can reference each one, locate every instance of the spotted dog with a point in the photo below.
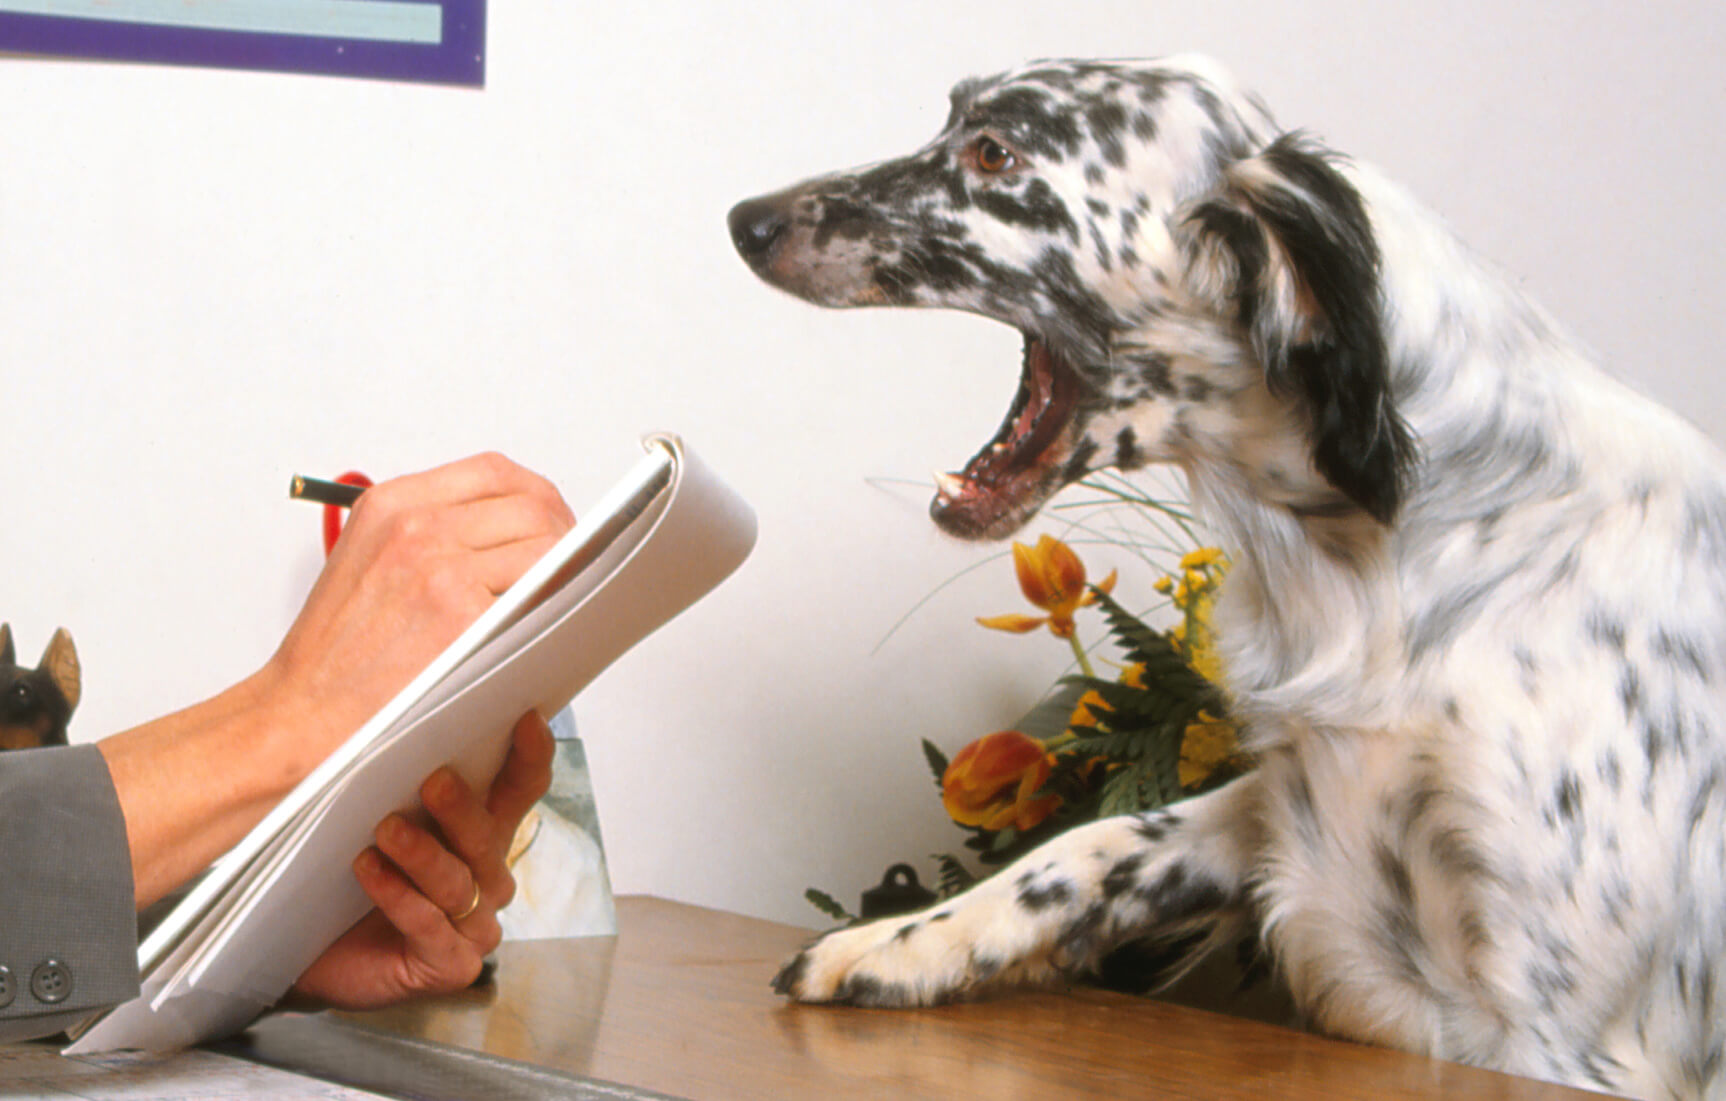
(1476, 621)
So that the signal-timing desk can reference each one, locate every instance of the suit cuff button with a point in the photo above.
(51, 982)
(8, 986)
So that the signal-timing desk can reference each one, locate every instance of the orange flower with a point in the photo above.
(1051, 577)
(993, 782)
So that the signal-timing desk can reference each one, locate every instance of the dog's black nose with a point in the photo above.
(755, 225)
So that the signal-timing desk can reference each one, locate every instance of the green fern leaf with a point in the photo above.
(937, 760)
(828, 905)
(954, 876)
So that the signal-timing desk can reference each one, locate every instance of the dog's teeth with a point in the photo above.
(949, 486)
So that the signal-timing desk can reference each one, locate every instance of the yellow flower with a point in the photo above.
(1194, 595)
(1053, 578)
(1086, 711)
(1206, 746)
(1091, 708)
(1204, 556)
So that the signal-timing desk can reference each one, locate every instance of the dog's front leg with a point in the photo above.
(1053, 912)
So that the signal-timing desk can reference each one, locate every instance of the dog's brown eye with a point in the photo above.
(992, 156)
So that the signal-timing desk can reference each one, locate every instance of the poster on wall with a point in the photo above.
(437, 41)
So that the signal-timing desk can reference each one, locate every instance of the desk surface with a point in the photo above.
(679, 1003)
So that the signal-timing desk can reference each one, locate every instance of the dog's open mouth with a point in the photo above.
(1010, 478)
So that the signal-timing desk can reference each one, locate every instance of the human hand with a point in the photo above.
(436, 898)
(419, 559)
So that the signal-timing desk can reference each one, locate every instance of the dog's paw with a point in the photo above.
(922, 959)
(893, 963)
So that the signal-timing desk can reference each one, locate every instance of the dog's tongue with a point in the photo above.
(1004, 483)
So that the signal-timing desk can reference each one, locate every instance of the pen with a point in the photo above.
(322, 492)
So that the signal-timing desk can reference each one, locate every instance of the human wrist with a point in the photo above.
(294, 728)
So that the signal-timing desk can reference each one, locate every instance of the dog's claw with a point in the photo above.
(789, 978)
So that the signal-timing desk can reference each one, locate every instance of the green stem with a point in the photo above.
(1080, 656)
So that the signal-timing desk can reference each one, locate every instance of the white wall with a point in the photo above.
(209, 280)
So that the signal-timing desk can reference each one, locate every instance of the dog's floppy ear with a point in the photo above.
(1286, 242)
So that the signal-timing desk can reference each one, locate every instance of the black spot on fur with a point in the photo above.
(1568, 797)
(1181, 896)
(1393, 869)
(1074, 302)
(1653, 742)
(1081, 939)
(1606, 629)
(1446, 616)
(1127, 453)
(1680, 650)
(1156, 372)
(1706, 793)
(1527, 668)
(1106, 119)
(1611, 772)
(1155, 826)
(983, 967)
(1031, 119)
(1038, 208)
(1705, 525)
(1037, 897)
(843, 218)
(933, 262)
(1630, 690)
(1552, 976)
(1079, 464)
(1121, 878)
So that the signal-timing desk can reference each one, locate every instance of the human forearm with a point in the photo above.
(192, 783)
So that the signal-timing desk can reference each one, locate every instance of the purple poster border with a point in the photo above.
(458, 59)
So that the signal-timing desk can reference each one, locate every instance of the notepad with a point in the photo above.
(659, 540)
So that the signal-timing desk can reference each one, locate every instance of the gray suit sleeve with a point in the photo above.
(68, 933)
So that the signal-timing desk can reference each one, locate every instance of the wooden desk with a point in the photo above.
(679, 1003)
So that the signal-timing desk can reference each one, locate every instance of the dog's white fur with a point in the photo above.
(1488, 820)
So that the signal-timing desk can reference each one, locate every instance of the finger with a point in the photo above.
(433, 870)
(412, 914)
(501, 521)
(526, 773)
(500, 567)
(472, 835)
(454, 955)
(474, 478)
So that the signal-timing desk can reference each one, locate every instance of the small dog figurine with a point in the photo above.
(36, 704)
(1476, 622)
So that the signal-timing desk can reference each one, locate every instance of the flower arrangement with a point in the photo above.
(1148, 728)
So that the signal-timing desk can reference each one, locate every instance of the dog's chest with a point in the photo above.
(1381, 885)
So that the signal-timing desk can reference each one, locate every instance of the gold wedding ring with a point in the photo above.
(471, 906)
